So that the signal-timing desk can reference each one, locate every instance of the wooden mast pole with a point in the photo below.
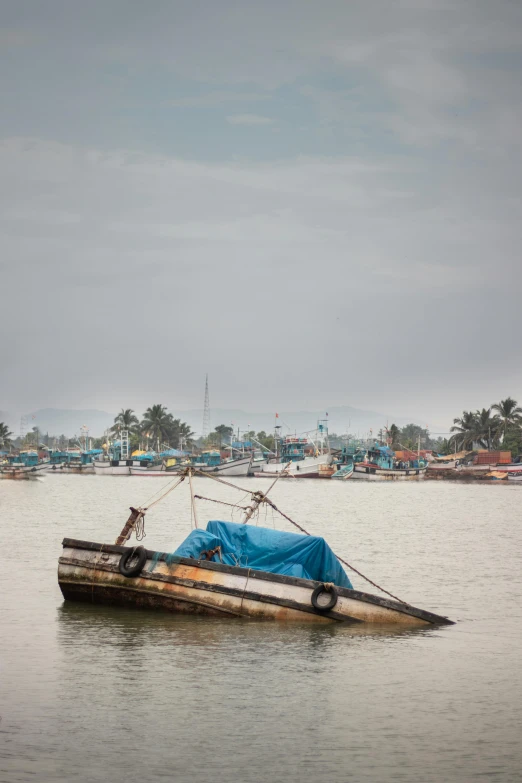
(258, 497)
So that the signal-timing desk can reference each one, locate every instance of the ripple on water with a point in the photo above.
(90, 693)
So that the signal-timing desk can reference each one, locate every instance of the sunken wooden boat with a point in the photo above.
(90, 572)
(229, 570)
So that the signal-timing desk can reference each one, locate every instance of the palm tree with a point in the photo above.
(466, 428)
(5, 435)
(125, 420)
(488, 428)
(509, 412)
(157, 424)
(179, 432)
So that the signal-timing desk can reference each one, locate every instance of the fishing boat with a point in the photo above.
(298, 457)
(377, 463)
(163, 465)
(515, 476)
(344, 472)
(211, 462)
(26, 465)
(79, 462)
(259, 460)
(229, 570)
(117, 461)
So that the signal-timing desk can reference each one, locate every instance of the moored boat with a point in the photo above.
(78, 462)
(378, 463)
(211, 462)
(229, 570)
(344, 472)
(25, 465)
(298, 457)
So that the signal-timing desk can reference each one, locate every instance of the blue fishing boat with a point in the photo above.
(25, 465)
(377, 463)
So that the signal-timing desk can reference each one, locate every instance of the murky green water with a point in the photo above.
(98, 694)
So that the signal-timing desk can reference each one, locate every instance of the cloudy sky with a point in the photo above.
(317, 203)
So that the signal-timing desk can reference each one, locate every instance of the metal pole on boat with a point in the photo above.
(190, 472)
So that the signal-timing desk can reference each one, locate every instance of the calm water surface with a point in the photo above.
(96, 694)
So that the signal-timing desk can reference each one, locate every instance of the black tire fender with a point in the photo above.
(129, 554)
(319, 590)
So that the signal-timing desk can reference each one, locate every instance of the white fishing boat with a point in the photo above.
(113, 467)
(229, 570)
(232, 467)
(299, 457)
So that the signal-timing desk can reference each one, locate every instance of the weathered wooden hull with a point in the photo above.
(382, 474)
(87, 469)
(23, 473)
(89, 572)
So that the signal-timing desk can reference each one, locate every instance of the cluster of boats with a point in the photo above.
(294, 457)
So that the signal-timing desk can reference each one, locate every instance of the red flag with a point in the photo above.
(277, 415)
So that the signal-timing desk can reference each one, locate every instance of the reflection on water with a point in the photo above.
(91, 693)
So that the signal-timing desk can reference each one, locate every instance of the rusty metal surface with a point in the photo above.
(191, 588)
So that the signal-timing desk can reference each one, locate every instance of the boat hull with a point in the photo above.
(24, 472)
(89, 571)
(72, 469)
(238, 467)
(344, 473)
(158, 472)
(309, 467)
(112, 467)
(369, 473)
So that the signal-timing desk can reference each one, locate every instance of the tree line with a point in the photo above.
(158, 428)
(496, 427)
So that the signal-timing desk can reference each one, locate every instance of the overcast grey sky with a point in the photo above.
(317, 203)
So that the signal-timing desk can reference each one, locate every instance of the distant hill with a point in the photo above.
(57, 421)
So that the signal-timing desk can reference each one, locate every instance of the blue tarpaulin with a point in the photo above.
(263, 549)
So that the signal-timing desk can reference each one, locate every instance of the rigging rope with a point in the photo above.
(344, 562)
(146, 508)
(260, 497)
(221, 502)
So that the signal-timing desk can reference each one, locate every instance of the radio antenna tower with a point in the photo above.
(206, 411)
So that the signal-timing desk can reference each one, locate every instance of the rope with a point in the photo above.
(146, 508)
(221, 481)
(344, 562)
(221, 502)
(139, 528)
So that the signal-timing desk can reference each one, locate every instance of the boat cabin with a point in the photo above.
(209, 458)
(293, 449)
(26, 458)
